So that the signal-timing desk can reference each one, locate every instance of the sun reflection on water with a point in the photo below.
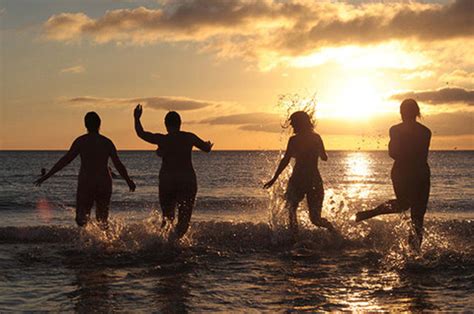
(357, 175)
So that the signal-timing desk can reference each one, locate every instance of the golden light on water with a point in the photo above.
(358, 170)
(358, 165)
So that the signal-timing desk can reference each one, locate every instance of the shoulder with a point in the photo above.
(107, 141)
(188, 135)
(317, 136)
(395, 128)
(424, 129)
(80, 139)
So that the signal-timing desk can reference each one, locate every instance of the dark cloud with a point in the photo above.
(159, 102)
(258, 26)
(400, 22)
(439, 97)
(442, 124)
(253, 118)
(267, 127)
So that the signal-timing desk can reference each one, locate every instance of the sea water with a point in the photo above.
(238, 254)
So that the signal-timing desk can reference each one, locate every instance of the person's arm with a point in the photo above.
(144, 135)
(121, 168)
(393, 146)
(322, 150)
(199, 143)
(63, 162)
(281, 166)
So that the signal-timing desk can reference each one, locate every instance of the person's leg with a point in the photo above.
(294, 195)
(292, 207)
(389, 207)
(102, 202)
(418, 211)
(185, 203)
(185, 210)
(84, 202)
(402, 188)
(167, 204)
(315, 198)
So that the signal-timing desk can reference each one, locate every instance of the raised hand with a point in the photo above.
(137, 113)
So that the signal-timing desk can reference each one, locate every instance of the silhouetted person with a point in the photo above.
(43, 171)
(113, 174)
(94, 181)
(306, 146)
(177, 180)
(409, 145)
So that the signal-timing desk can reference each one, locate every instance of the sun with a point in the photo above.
(356, 98)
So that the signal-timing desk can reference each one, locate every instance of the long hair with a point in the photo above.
(301, 122)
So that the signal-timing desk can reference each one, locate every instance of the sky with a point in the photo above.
(234, 69)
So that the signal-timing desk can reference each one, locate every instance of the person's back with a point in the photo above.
(409, 145)
(176, 151)
(94, 151)
(306, 148)
(94, 181)
(177, 184)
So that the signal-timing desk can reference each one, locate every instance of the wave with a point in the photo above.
(382, 237)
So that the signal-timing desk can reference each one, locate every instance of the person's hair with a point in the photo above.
(409, 109)
(92, 121)
(172, 120)
(300, 121)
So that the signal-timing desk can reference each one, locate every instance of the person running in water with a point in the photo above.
(177, 179)
(94, 181)
(408, 146)
(306, 146)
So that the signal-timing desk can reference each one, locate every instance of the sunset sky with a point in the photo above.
(224, 66)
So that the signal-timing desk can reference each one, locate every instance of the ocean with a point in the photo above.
(238, 254)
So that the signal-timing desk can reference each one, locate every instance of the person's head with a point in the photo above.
(409, 110)
(92, 122)
(172, 121)
(300, 121)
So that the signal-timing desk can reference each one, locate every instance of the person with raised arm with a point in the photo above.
(408, 147)
(94, 180)
(177, 179)
(306, 147)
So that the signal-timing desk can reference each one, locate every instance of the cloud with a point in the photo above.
(268, 128)
(452, 123)
(243, 118)
(375, 24)
(441, 96)
(66, 26)
(158, 103)
(442, 124)
(269, 31)
(458, 77)
(74, 69)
